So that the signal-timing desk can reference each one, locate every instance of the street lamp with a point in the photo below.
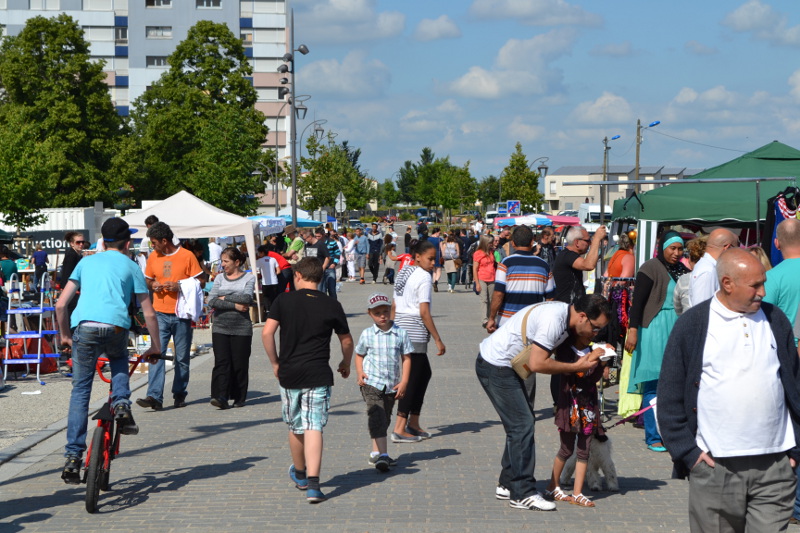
(318, 131)
(542, 168)
(637, 187)
(289, 68)
(603, 188)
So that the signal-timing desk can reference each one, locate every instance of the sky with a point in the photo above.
(471, 78)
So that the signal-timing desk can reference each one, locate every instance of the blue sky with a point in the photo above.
(470, 78)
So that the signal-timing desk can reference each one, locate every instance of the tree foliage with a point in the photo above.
(407, 183)
(521, 183)
(388, 195)
(489, 190)
(331, 169)
(196, 128)
(59, 127)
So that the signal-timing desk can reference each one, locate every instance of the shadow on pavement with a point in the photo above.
(357, 479)
(465, 427)
(19, 523)
(131, 492)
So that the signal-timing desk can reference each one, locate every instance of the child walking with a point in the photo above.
(383, 363)
(577, 415)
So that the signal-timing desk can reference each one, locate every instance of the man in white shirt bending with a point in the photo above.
(703, 282)
(728, 404)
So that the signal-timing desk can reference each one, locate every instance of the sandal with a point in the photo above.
(583, 501)
(557, 495)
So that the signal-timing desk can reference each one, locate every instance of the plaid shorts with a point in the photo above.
(306, 409)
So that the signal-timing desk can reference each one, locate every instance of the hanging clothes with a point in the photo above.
(779, 208)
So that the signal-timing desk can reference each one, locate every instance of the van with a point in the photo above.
(488, 220)
(589, 216)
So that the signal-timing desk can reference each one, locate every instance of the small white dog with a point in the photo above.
(599, 459)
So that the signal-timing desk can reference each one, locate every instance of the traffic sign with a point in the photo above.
(513, 207)
(341, 202)
(501, 210)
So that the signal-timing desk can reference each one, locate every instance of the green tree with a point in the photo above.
(426, 177)
(331, 169)
(388, 195)
(56, 111)
(489, 191)
(407, 183)
(521, 183)
(196, 128)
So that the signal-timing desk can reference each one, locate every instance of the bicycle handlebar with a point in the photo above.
(101, 361)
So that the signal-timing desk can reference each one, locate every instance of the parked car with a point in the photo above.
(354, 223)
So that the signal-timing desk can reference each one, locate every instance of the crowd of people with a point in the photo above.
(712, 335)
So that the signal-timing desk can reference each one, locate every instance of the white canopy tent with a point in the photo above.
(189, 217)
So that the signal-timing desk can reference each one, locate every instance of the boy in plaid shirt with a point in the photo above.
(382, 367)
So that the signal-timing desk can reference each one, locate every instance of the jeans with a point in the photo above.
(796, 512)
(651, 435)
(89, 343)
(328, 283)
(506, 391)
(389, 275)
(180, 329)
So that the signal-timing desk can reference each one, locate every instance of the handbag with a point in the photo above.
(450, 266)
(520, 361)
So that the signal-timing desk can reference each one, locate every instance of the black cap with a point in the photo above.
(116, 229)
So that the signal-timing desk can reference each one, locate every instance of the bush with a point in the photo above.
(405, 215)
(368, 219)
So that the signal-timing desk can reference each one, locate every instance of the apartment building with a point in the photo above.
(134, 37)
(561, 197)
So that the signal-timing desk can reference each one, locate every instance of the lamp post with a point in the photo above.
(603, 188)
(318, 131)
(284, 69)
(542, 168)
(637, 188)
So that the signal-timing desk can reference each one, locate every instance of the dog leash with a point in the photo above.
(630, 417)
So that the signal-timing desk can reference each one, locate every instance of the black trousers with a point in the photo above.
(230, 376)
(374, 263)
(285, 278)
(418, 378)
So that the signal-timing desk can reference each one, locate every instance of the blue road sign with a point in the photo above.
(513, 207)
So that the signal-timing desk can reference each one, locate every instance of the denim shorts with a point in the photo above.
(306, 409)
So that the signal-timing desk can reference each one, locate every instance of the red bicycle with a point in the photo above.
(105, 443)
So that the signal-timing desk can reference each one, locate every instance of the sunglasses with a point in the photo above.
(79, 242)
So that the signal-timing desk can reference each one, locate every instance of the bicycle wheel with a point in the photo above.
(94, 476)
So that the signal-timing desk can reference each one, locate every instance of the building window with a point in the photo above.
(159, 32)
(268, 6)
(208, 4)
(121, 35)
(247, 37)
(270, 35)
(156, 61)
(158, 3)
(98, 34)
(265, 65)
(552, 187)
(50, 5)
(97, 5)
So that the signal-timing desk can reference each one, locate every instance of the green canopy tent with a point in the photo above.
(6, 237)
(721, 203)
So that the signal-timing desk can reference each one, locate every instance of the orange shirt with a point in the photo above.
(162, 268)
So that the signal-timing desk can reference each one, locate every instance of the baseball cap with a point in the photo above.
(116, 229)
(378, 300)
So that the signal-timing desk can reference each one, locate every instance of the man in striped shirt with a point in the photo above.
(522, 279)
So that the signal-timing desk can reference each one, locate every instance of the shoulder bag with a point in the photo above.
(520, 361)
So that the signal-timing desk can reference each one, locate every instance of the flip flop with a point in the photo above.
(581, 500)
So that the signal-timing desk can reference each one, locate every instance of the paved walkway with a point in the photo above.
(200, 469)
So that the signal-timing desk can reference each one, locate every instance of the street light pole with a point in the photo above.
(603, 188)
(542, 168)
(637, 188)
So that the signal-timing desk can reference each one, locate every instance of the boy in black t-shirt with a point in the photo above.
(306, 318)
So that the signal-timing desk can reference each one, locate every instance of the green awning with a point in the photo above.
(718, 203)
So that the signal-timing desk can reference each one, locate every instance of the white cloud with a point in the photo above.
(449, 106)
(476, 126)
(520, 131)
(794, 83)
(433, 29)
(346, 21)
(623, 49)
(699, 49)
(521, 67)
(764, 23)
(606, 110)
(355, 76)
(536, 12)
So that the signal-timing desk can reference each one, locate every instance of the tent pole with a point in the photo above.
(758, 212)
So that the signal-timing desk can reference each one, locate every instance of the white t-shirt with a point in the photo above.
(704, 283)
(267, 266)
(214, 252)
(741, 405)
(548, 326)
(412, 287)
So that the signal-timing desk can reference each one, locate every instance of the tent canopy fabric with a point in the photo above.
(564, 221)
(527, 220)
(268, 225)
(302, 222)
(189, 217)
(724, 203)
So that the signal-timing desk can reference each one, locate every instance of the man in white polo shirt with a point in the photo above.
(549, 324)
(728, 404)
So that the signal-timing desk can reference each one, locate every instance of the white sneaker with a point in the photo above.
(534, 502)
(502, 493)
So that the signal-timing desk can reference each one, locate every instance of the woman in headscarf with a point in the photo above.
(652, 316)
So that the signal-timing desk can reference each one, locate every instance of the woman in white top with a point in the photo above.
(411, 310)
(350, 255)
(450, 252)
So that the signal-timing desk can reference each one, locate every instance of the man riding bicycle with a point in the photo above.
(99, 327)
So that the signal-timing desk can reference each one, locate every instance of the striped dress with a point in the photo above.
(412, 287)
